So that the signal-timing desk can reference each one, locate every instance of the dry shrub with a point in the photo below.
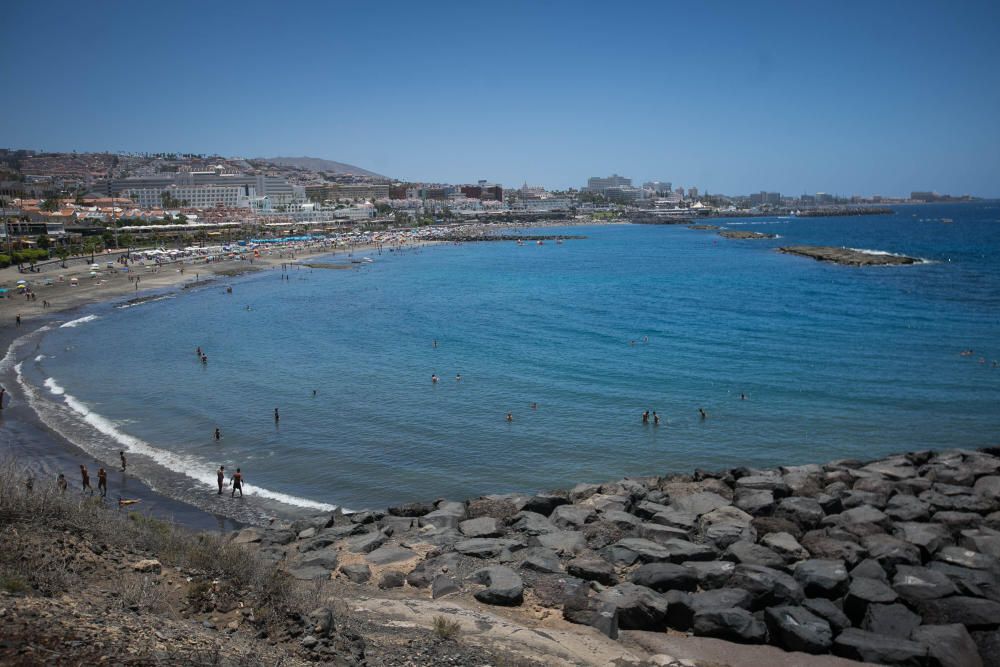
(445, 629)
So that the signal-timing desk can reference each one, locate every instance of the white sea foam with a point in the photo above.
(39, 357)
(883, 253)
(144, 301)
(188, 466)
(77, 322)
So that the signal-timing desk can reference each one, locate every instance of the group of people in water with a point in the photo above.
(982, 360)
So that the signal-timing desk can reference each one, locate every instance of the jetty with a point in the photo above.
(848, 256)
(728, 234)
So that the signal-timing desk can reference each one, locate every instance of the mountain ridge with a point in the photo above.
(321, 164)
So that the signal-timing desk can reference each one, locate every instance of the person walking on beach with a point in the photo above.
(221, 474)
(85, 476)
(122, 455)
(237, 483)
(645, 417)
(102, 482)
(218, 434)
(61, 483)
(18, 319)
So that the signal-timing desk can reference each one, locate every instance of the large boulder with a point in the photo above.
(503, 586)
(542, 560)
(907, 508)
(767, 586)
(532, 523)
(893, 620)
(544, 504)
(699, 503)
(622, 520)
(735, 625)
(686, 521)
(773, 483)
(890, 551)
(711, 574)
(823, 546)
(563, 542)
(411, 509)
(804, 512)
(949, 645)
(484, 547)
(785, 545)
(879, 649)
(754, 554)
(447, 515)
(753, 502)
(660, 534)
(571, 517)
(967, 558)
(385, 555)
(639, 608)
(798, 629)
(485, 526)
(973, 613)
(857, 515)
(593, 569)
(928, 537)
(663, 577)
(822, 578)
(359, 573)
(985, 540)
(920, 583)
(726, 525)
(829, 612)
(864, 592)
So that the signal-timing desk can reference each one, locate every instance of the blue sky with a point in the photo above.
(844, 97)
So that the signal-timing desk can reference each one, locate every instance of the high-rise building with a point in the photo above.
(599, 184)
(662, 188)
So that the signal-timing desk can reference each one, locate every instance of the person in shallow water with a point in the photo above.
(701, 411)
(277, 418)
(218, 434)
(61, 483)
(221, 474)
(434, 379)
(237, 483)
(510, 417)
(645, 417)
(102, 482)
(122, 455)
(85, 476)
(656, 419)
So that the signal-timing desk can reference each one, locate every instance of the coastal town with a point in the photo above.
(56, 205)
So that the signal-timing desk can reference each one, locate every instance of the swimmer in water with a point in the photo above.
(198, 352)
(458, 377)
(434, 379)
(510, 417)
(743, 396)
(534, 406)
(276, 416)
(314, 392)
(218, 434)
(656, 419)
(701, 411)
(435, 344)
(645, 339)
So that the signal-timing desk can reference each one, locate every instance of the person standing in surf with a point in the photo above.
(277, 417)
(218, 434)
(221, 474)
(122, 455)
(102, 482)
(237, 483)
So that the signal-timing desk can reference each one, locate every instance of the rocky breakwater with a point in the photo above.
(895, 561)
(848, 256)
(739, 235)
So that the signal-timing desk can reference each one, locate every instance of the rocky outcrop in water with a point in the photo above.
(894, 561)
(847, 256)
(740, 235)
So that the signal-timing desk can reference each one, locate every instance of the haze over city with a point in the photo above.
(850, 99)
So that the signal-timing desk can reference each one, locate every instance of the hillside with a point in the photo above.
(319, 164)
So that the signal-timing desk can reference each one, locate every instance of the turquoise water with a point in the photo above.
(834, 361)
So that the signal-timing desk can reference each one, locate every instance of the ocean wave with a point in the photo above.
(77, 322)
(188, 466)
(885, 253)
(142, 301)
(39, 357)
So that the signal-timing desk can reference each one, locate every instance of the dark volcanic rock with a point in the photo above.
(359, 573)
(563, 542)
(797, 629)
(482, 527)
(822, 578)
(891, 551)
(949, 645)
(967, 558)
(541, 559)
(532, 523)
(785, 546)
(864, 592)
(871, 569)
(503, 586)
(832, 549)
(753, 502)
(483, 547)
(804, 512)
(753, 554)
(711, 574)
(929, 537)
(973, 613)
(893, 620)
(907, 508)
(845, 256)
(571, 517)
(544, 504)
(444, 585)
(764, 525)
(639, 608)
(767, 586)
(921, 583)
(593, 569)
(737, 625)
(662, 577)
(411, 509)
(869, 647)
(829, 612)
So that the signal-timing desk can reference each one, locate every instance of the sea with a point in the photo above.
(792, 360)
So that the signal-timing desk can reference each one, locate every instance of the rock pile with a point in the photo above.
(894, 561)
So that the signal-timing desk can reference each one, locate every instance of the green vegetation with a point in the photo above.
(50, 205)
(26, 256)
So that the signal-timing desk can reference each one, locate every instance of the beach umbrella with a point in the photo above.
(22, 282)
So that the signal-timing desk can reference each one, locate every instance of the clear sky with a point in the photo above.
(844, 97)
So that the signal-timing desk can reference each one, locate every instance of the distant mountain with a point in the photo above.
(319, 164)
